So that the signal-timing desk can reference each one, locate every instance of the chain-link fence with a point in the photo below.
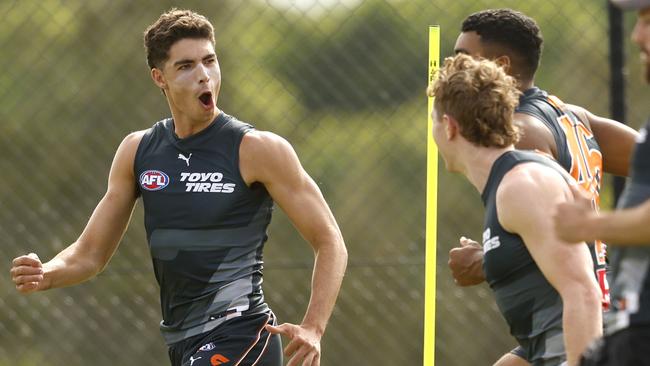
(342, 80)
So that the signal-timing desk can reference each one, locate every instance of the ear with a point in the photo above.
(452, 129)
(505, 62)
(158, 78)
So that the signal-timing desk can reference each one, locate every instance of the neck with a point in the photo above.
(185, 126)
(478, 163)
(524, 85)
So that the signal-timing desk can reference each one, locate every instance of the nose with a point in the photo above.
(204, 75)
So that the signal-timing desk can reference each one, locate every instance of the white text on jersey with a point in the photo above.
(206, 182)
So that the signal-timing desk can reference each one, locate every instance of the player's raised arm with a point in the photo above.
(270, 160)
(568, 268)
(88, 256)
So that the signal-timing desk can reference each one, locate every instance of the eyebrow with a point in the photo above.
(183, 62)
(190, 61)
(461, 50)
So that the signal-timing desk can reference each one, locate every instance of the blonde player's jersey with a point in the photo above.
(531, 306)
(578, 153)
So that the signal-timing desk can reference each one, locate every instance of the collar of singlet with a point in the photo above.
(218, 121)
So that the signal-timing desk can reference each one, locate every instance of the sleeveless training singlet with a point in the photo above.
(205, 227)
(578, 153)
(529, 303)
(631, 264)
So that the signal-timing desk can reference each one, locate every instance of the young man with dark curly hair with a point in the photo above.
(208, 182)
(544, 288)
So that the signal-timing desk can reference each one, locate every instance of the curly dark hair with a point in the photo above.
(171, 27)
(511, 29)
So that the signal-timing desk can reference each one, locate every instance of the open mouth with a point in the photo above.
(206, 100)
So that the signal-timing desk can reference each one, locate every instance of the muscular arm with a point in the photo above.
(615, 139)
(568, 268)
(270, 160)
(88, 256)
(576, 221)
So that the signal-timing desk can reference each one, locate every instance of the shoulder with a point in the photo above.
(132, 140)
(578, 110)
(530, 177)
(262, 143)
(135, 137)
(527, 122)
(582, 114)
(263, 154)
(128, 148)
(526, 189)
(535, 135)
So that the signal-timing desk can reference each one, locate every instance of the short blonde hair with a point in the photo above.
(481, 97)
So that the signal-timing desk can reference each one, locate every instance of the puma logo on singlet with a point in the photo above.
(187, 159)
(192, 359)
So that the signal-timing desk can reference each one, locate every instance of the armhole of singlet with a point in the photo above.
(513, 162)
(237, 149)
(146, 138)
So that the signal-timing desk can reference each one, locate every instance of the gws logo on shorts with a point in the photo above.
(153, 180)
(218, 359)
(208, 347)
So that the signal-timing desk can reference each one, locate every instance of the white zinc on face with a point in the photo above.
(191, 79)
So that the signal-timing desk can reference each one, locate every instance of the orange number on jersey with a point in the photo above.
(586, 168)
(586, 163)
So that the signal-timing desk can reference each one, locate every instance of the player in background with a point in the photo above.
(514, 41)
(208, 183)
(627, 229)
(544, 288)
(583, 144)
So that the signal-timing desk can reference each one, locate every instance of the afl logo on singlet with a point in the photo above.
(153, 180)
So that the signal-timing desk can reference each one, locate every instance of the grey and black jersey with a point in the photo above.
(205, 227)
(631, 264)
(529, 303)
(578, 153)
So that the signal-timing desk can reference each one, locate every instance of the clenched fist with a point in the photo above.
(27, 273)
